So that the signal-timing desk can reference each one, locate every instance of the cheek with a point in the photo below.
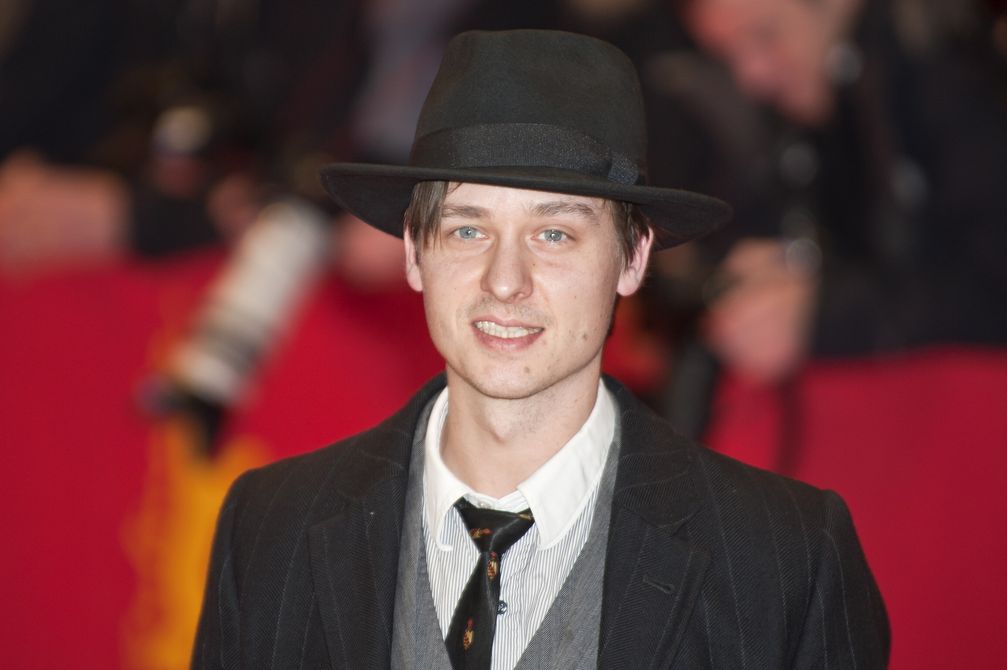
(588, 305)
(439, 303)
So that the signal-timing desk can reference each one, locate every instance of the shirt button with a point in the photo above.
(501, 607)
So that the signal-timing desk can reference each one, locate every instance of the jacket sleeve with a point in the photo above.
(845, 624)
(216, 646)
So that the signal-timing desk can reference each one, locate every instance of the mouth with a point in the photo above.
(505, 332)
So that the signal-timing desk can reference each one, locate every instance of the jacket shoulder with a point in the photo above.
(652, 445)
(343, 471)
(318, 484)
(728, 478)
(785, 564)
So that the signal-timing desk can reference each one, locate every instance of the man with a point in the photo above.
(521, 511)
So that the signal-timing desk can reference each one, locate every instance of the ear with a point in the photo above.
(412, 263)
(634, 272)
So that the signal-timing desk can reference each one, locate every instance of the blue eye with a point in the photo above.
(467, 233)
(554, 236)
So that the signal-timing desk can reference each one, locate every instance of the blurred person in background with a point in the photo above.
(871, 216)
(57, 59)
(157, 127)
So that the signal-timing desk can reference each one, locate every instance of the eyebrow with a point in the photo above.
(561, 207)
(463, 211)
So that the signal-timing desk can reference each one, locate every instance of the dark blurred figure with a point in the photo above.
(156, 127)
(58, 61)
(873, 218)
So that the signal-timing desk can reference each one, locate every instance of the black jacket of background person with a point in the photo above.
(911, 198)
(710, 563)
(903, 189)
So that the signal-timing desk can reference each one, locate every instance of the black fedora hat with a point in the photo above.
(535, 109)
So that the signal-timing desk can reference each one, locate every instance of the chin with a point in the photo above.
(499, 382)
(508, 388)
(515, 382)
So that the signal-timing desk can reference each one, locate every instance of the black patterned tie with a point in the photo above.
(470, 637)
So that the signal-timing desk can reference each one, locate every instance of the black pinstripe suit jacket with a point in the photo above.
(711, 563)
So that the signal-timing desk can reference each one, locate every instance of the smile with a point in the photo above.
(505, 332)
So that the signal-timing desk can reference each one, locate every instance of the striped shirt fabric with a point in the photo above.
(562, 492)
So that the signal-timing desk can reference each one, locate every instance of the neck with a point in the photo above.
(494, 444)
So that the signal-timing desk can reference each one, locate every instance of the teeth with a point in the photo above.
(505, 332)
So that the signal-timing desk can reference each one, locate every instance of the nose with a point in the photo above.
(508, 276)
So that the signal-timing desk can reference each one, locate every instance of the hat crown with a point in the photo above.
(550, 79)
(531, 109)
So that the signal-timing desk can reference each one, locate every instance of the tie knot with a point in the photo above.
(492, 529)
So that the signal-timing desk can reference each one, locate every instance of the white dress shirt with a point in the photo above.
(561, 495)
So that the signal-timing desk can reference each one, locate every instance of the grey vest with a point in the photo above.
(567, 637)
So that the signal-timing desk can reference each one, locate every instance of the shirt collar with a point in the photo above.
(556, 493)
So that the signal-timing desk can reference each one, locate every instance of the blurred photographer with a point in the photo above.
(885, 213)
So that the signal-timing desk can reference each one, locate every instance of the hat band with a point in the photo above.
(523, 145)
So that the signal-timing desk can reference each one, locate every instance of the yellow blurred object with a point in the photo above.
(168, 542)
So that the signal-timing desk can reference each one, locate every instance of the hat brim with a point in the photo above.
(379, 195)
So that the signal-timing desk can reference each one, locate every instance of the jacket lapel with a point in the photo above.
(652, 573)
(354, 553)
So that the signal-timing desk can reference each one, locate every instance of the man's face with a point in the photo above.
(776, 49)
(519, 288)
